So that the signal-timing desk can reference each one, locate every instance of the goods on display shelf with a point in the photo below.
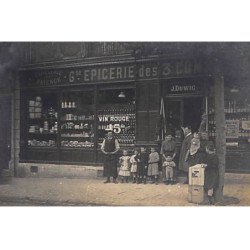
(237, 114)
(68, 104)
(79, 144)
(83, 134)
(45, 128)
(73, 126)
(120, 120)
(37, 143)
(73, 117)
(234, 106)
(37, 110)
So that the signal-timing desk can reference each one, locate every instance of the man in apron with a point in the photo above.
(110, 147)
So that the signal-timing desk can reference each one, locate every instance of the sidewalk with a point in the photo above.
(87, 192)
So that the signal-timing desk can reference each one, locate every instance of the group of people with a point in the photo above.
(142, 165)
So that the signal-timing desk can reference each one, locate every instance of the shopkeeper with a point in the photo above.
(110, 147)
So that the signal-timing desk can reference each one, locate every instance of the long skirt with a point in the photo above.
(110, 166)
(153, 169)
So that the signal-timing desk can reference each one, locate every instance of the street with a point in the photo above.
(93, 192)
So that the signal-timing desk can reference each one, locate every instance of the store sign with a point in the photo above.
(113, 118)
(175, 88)
(184, 86)
(116, 124)
(112, 73)
(246, 125)
(232, 129)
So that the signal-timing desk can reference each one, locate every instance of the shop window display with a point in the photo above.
(116, 113)
(42, 121)
(237, 114)
(77, 120)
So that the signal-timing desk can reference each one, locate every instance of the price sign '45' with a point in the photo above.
(116, 128)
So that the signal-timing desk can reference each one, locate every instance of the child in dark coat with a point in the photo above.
(211, 172)
(142, 166)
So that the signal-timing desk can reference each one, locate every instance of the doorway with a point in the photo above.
(5, 132)
(181, 112)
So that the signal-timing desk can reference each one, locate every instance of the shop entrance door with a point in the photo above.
(5, 131)
(181, 112)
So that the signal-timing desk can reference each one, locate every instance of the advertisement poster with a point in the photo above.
(232, 129)
(246, 125)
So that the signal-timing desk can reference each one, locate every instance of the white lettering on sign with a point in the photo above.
(183, 88)
(119, 72)
(113, 118)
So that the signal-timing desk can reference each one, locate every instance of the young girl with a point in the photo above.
(153, 167)
(124, 162)
(142, 166)
(134, 160)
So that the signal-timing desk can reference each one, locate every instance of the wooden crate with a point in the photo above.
(195, 194)
(196, 175)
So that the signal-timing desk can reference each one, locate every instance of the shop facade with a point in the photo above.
(66, 109)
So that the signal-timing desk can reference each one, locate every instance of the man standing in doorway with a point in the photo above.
(110, 147)
(183, 165)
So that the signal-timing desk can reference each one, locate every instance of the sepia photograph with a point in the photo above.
(125, 123)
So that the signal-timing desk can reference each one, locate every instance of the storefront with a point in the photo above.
(66, 110)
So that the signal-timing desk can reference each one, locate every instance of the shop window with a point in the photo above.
(77, 120)
(42, 120)
(237, 114)
(116, 113)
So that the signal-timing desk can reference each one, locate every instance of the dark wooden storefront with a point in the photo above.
(185, 86)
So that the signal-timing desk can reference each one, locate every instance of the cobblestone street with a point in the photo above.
(92, 192)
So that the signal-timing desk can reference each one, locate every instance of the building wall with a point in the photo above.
(234, 60)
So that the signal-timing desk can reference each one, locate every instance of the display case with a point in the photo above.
(42, 121)
(116, 113)
(120, 119)
(69, 125)
(237, 114)
(77, 120)
(77, 126)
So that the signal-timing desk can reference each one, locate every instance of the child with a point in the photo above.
(142, 166)
(169, 165)
(153, 167)
(211, 172)
(124, 162)
(134, 160)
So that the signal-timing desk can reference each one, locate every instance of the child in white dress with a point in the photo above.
(124, 162)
